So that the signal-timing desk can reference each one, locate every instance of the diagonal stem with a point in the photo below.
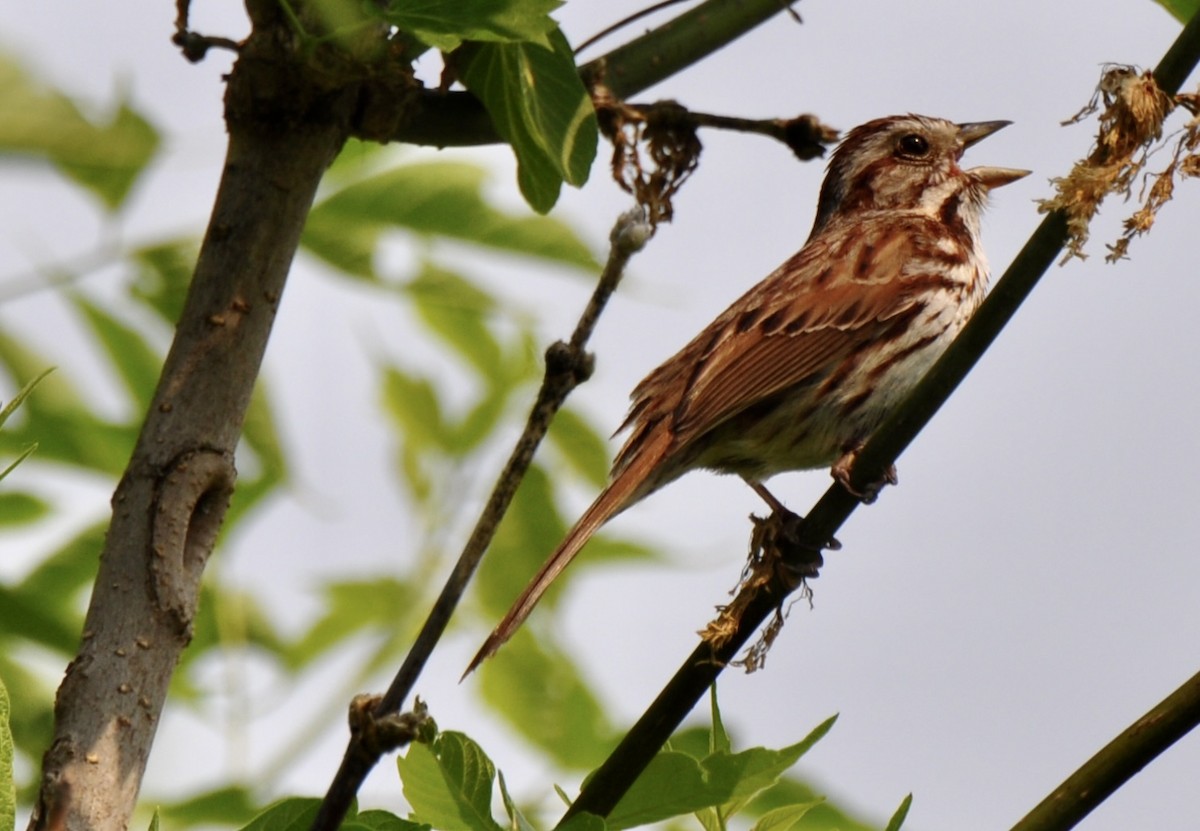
(679, 43)
(567, 365)
(1118, 761)
(457, 119)
(612, 779)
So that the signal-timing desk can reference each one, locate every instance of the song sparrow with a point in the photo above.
(800, 369)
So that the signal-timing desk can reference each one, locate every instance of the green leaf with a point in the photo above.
(352, 606)
(109, 166)
(295, 814)
(341, 242)
(70, 569)
(298, 813)
(230, 619)
(43, 608)
(822, 816)
(164, 272)
(719, 741)
(695, 741)
(541, 694)
(415, 468)
(583, 822)
(268, 469)
(8, 790)
(529, 532)
(750, 771)
(456, 310)
(106, 158)
(137, 364)
(358, 157)
(459, 313)
(414, 405)
(784, 818)
(1183, 10)
(22, 456)
(517, 821)
(20, 508)
(582, 446)
(436, 198)
(341, 21)
(477, 425)
(49, 621)
(675, 783)
(901, 814)
(21, 361)
(518, 365)
(154, 822)
(17, 511)
(540, 107)
(446, 25)
(31, 699)
(11, 407)
(429, 436)
(383, 821)
(711, 819)
(449, 784)
(60, 420)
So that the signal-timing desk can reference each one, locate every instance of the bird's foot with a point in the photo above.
(778, 547)
(781, 560)
(778, 541)
(843, 468)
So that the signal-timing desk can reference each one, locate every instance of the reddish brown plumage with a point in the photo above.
(800, 369)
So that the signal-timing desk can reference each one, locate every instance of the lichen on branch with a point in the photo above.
(1131, 130)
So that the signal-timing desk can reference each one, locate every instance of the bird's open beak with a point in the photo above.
(977, 131)
(994, 177)
(990, 177)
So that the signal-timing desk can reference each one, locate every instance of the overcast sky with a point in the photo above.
(1030, 588)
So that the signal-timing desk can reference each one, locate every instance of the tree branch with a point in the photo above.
(172, 498)
(606, 786)
(289, 110)
(1118, 761)
(567, 366)
(457, 119)
(679, 43)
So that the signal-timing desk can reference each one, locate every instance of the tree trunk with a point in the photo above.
(172, 499)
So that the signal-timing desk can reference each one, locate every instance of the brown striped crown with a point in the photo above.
(908, 163)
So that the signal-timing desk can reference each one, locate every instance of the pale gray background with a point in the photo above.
(1028, 590)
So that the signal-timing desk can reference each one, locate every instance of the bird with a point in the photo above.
(800, 369)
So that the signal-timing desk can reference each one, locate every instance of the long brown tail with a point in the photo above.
(622, 492)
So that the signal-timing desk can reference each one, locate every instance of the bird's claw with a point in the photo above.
(844, 467)
(778, 541)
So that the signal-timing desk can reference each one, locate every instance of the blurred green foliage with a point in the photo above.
(368, 198)
(1183, 10)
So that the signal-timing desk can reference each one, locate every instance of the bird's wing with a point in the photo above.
(806, 318)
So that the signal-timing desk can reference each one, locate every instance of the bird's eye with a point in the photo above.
(913, 144)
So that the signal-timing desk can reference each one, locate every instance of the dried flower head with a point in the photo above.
(660, 132)
(1185, 163)
(776, 557)
(1132, 120)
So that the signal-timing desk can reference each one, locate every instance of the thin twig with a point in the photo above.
(567, 366)
(173, 493)
(621, 24)
(1118, 761)
(457, 119)
(678, 43)
(805, 135)
(193, 45)
(612, 779)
